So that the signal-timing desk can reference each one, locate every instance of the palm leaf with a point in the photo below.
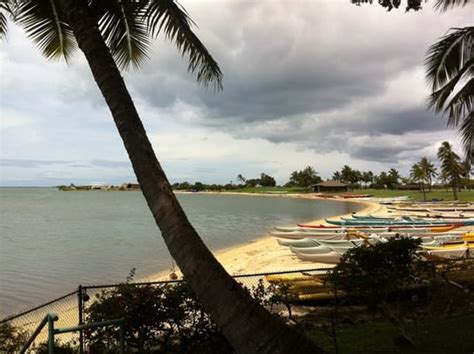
(467, 136)
(439, 99)
(123, 27)
(446, 57)
(170, 18)
(443, 5)
(461, 104)
(4, 11)
(45, 24)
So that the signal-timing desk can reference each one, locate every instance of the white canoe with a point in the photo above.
(328, 258)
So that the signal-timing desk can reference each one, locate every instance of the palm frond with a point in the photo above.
(467, 136)
(170, 18)
(4, 11)
(124, 29)
(45, 24)
(446, 57)
(461, 103)
(444, 5)
(438, 99)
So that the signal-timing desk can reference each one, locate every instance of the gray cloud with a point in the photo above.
(73, 164)
(313, 77)
(306, 73)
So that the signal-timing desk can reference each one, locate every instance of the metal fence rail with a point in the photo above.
(71, 307)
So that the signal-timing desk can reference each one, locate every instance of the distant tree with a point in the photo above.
(418, 174)
(393, 178)
(346, 174)
(304, 178)
(198, 186)
(429, 170)
(241, 178)
(450, 166)
(466, 167)
(349, 175)
(367, 177)
(253, 182)
(382, 180)
(336, 176)
(267, 181)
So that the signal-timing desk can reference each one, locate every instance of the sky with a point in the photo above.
(321, 83)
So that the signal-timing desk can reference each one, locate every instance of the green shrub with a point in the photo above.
(163, 318)
(12, 338)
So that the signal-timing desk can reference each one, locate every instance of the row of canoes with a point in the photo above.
(314, 286)
(330, 251)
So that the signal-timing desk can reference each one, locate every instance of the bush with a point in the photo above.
(372, 274)
(12, 338)
(163, 318)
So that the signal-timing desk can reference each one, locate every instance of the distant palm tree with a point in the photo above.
(117, 33)
(450, 71)
(466, 172)
(241, 178)
(429, 170)
(450, 166)
(418, 174)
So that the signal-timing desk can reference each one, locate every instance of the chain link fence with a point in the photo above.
(72, 308)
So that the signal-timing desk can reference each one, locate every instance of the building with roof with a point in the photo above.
(331, 186)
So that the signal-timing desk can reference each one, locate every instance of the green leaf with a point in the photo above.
(124, 29)
(169, 18)
(45, 24)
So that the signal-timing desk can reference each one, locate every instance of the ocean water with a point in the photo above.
(52, 241)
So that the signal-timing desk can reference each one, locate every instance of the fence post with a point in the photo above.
(122, 339)
(80, 303)
(51, 319)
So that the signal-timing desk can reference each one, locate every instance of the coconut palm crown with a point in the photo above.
(126, 26)
(450, 72)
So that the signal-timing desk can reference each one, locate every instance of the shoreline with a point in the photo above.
(264, 254)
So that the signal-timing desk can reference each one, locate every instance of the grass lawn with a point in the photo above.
(274, 190)
(443, 335)
(416, 195)
(379, 193)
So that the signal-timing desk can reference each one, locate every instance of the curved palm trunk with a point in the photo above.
(247, 325)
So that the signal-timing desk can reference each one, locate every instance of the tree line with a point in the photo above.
(453, 172)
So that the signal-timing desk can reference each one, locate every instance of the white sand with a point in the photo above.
(265, 254)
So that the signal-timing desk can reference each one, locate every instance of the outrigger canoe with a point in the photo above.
(401, 222)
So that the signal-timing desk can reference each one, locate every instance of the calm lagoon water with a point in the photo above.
(52, 241)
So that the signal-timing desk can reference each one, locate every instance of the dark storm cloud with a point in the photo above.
(320, 75)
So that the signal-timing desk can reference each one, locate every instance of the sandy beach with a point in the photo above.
(265, 254)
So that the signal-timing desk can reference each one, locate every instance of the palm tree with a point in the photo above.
(418, 174)
(241, 178)
(450, 166)
(429, 170)
(450, 72)
(466, 166)
(118, 32)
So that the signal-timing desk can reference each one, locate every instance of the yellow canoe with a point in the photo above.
(468, 236)
(286, 278)
(443, 228)
(450, 246)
